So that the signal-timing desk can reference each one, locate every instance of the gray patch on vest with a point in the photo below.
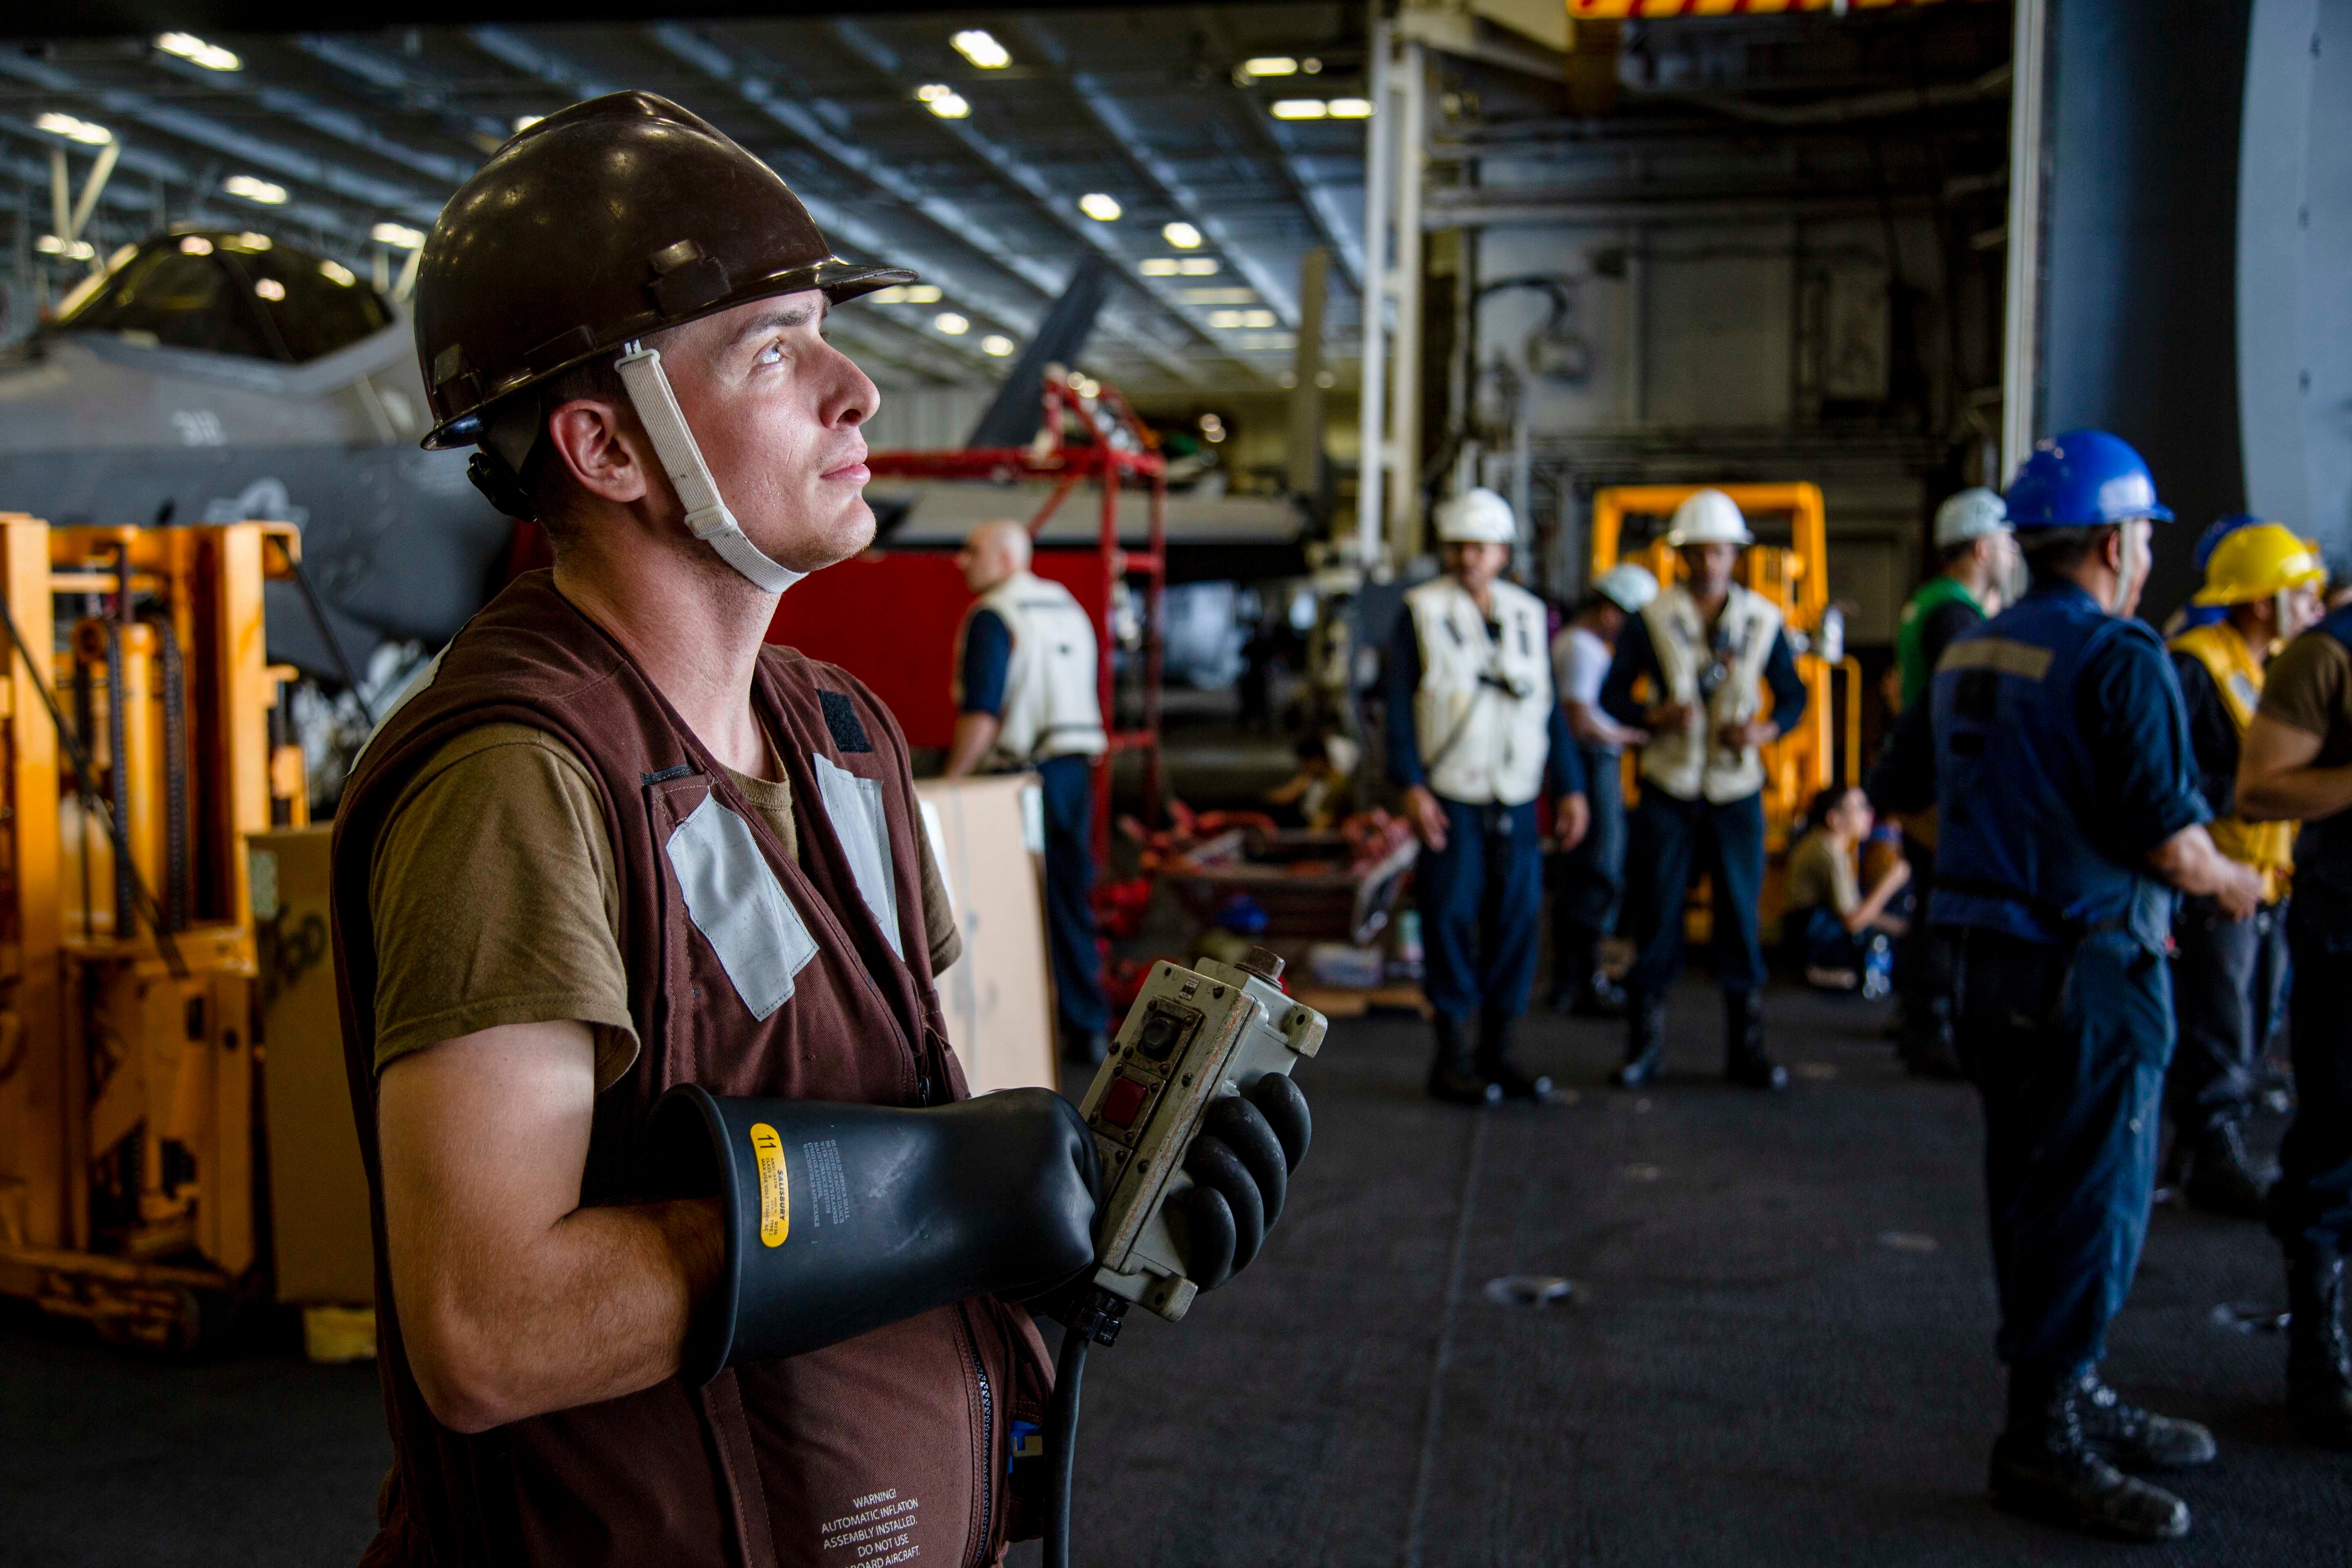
(735, 901)
(416, 687)
(854, 804)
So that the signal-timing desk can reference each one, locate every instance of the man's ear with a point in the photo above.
(603, 450)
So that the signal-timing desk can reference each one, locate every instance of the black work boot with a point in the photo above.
(2044, 1466)
(2136, 1439)
(1453, 1078)
(1579, 987)
(1745, 1060)
(2224, 1178)
(1646, 1039)
(2318, 1366)
(1496, 1066)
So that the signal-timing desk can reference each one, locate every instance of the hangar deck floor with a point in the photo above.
(1779, 1354)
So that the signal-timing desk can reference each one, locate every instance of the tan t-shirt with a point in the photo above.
(495, 897)
(2309, 685)
(1821, 873)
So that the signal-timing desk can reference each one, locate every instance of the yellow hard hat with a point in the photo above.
(2255, 563)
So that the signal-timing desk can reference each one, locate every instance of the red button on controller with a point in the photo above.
(1122, 1101)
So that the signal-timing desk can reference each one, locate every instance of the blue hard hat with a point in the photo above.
(2083, 479)
(2219, 532)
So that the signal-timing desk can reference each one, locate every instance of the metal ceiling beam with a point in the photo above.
(884, 61)
(1120, 129)
(189, 126)
(722, 65)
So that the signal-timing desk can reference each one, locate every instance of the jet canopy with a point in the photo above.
(223, 292)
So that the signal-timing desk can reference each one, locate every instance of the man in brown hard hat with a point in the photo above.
(608, 844)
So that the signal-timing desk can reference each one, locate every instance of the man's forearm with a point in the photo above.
(598, 1307)
(2190, 862)
(975, 735)
(2298, 794)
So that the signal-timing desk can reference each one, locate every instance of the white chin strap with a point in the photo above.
(705, 514)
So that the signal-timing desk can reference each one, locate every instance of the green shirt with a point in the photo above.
(1910, 644)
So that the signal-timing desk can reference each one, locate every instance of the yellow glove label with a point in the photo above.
(775, 1185)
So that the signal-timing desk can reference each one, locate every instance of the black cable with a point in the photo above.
(1062, 1443)
(1095, 1320)
(115, 830)
(318, 610)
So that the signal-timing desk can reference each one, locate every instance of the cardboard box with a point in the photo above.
(318, 1187)
(988, 837)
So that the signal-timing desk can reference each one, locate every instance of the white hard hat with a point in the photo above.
(1628, 587)
(1708, 517)
(1971, 515)
(1476, 517)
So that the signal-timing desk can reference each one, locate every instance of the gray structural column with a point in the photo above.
(2140, 245)
(2294, 270)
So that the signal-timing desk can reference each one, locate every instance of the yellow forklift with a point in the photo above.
(1789, 564)
(142, 745)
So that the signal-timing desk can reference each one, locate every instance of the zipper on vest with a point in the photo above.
(987, 1436)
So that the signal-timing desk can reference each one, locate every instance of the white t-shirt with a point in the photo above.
(1579, 663)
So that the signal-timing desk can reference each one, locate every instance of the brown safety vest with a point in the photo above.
(889, 1448)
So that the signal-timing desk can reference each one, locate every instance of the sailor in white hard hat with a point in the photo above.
(1474, 736)
(1709, 649)
(1588, 881)
(1979, 549)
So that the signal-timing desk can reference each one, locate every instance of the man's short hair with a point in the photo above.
(2053, 551)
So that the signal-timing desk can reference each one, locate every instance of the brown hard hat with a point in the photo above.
(609, 220)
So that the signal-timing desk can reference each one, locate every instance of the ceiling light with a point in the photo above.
(1351, 109)
(1243, 318)
(1220, 296)
(981, 49)
(1183, 235)
(950, 323)
(948, 106)
(248, 241)
(271, 289)
(922, 293)
(1311, 65)
(196, 244)
(254, 190)
(893, 295)
(1100, 207)
(1271, 64)
(996, 345)
(1299, 108)
(397, 235)
(1198, 267)
(1158, 266)
(525, 121)
(80, 250)
(1324, 378)
(336, 272)
(74, 130)
(1085, 385)
(197, 52)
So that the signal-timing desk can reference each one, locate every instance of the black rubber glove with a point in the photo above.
(842, 1218)
(1240, 1163)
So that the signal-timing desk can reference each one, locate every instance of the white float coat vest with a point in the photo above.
(1688, 763)
(1051, 709)
(1483, 710)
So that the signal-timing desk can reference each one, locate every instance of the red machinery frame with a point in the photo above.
(1116, 448)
